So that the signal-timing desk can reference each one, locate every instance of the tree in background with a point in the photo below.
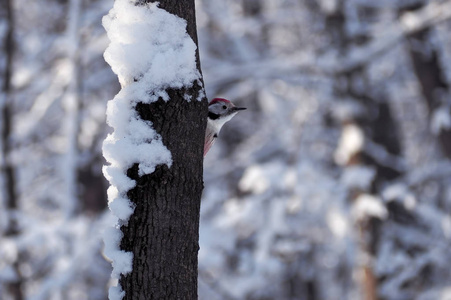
(13, 285)
(59, 82)
(339, 155)
(434, 86)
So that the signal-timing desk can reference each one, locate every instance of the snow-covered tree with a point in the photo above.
(156, 149)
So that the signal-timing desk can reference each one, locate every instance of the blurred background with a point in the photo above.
(333, 184)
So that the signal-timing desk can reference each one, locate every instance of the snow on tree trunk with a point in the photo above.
(155, 151)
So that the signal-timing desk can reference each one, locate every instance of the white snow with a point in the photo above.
(150, 51)
(328, 6)
(116, 293)
(433, 12)
(121, 260)
(446, 293)
(351, 142)
(254, 180)
(446, 226)
(369, 205)
(441, 119)
(400, 192)
(9, 254)
(149, 44)
(122, 208)
(337, 223)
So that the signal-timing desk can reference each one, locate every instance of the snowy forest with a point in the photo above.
(333, 184)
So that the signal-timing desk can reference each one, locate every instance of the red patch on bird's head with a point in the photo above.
(216, 100)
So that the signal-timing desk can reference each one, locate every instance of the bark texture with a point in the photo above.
(163, 232)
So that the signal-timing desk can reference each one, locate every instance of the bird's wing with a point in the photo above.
(210, 139)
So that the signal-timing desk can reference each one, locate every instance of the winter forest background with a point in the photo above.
(334, 184)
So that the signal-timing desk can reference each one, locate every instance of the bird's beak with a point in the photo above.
(238, 108)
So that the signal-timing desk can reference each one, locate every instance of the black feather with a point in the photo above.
(212, 116)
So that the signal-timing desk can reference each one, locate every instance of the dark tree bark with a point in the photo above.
(7, 53)
(163, 232)
(7, 169)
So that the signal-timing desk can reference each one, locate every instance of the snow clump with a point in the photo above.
(150, 51)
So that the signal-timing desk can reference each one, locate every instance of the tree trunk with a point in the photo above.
(378, 130)
(163, 231)
(14, 287)
(430, 74)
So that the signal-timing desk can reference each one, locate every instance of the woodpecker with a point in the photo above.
(220, 111)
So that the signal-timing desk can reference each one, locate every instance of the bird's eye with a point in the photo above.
(224, 107)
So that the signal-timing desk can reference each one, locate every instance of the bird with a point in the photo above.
(220, 111)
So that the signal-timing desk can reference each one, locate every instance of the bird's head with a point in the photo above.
(222, 109)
